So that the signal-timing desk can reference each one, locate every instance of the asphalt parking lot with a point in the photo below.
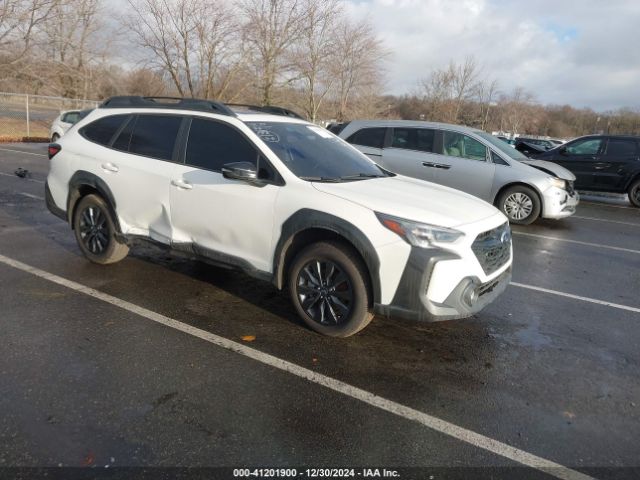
(161, 361)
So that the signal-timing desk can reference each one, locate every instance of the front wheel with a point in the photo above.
(634, 193)
(95, 231)
(520, 204)
(328, 285)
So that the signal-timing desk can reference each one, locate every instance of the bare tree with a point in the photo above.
(19, 20)
(272, 27)
(464, 78)
(195, 42)
(357, 64)
(67, 37)
(313, 53)
(486, 92)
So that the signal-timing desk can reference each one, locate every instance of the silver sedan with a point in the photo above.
(470, 160)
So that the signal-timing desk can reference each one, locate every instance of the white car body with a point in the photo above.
(236, 223)
(64, 121)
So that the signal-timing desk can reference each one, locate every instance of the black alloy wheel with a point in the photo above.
(94, 230)
(330, 288)
(324, 292)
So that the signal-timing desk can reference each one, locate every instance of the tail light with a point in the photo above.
(53, 150)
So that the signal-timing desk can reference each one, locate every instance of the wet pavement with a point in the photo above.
(86, 383)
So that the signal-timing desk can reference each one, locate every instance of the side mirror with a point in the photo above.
(563, 150)
(244, 171)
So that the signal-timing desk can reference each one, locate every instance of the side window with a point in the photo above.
(124, 137)
(589, 146)
(212, 144)
(71, 117)
(497, 159)
(463, 146)
(102, 130)
(619, 147)
(420, 139)
(155, 135)
(368, 137)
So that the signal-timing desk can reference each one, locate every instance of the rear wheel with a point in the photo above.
(520, 204)
(95, 231)
(328, 285)
(634, 193)
(54, 138)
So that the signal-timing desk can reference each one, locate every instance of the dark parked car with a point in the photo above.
(605, 163)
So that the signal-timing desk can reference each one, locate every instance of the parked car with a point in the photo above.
(65, 121)
(470, 160)
(507, 140)
(602, 163)
(529, 149)
(285, 201)
(546, 144)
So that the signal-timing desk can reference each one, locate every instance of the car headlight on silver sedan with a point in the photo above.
(419, 234)
(558, 182)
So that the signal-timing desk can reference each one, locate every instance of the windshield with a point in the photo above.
(504, 147)
(314, 154)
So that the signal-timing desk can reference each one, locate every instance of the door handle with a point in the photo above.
(601, 166)
(443, 166)
(183, 184)
(110, 167)
(429, 164)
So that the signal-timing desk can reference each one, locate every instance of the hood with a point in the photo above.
(413, 200)
(551, 168)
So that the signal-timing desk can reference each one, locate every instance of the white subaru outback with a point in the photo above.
(258, 189)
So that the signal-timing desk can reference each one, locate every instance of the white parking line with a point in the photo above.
(22, 151)
(608, 221)
(15, 176)
(434, 423)
(35, 197)
(597, 245)
(577, 297)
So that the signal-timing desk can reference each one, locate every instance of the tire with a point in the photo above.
(520, 204)
(338, 302)
(55, 137)
(634, 193)
(95, 231)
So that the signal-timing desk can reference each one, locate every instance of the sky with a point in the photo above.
(585, 53)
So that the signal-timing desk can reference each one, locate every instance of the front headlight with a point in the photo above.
(419, 234)
(558, 182)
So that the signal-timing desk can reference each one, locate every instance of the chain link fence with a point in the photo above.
(29, 117)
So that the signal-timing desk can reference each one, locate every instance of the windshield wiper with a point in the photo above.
(322, 179)
(359, 176)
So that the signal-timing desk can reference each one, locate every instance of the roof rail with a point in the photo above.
(167, 102)
(285, 112)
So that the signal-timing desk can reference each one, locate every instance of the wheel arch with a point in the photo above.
(306, 227)
(84, 183)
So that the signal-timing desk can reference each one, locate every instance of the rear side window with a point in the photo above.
(102, 130)
(621, 148)
(155, 136)
(213, 144)
(420, 139)
(71, 117)
(368, 137)
(124, 137)
(463, 146)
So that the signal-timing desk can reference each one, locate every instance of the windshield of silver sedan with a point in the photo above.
(315, 154)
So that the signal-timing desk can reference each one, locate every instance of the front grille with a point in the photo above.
(493, 248)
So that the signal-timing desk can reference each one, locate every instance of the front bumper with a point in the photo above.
(559, 203)
(468, 297)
